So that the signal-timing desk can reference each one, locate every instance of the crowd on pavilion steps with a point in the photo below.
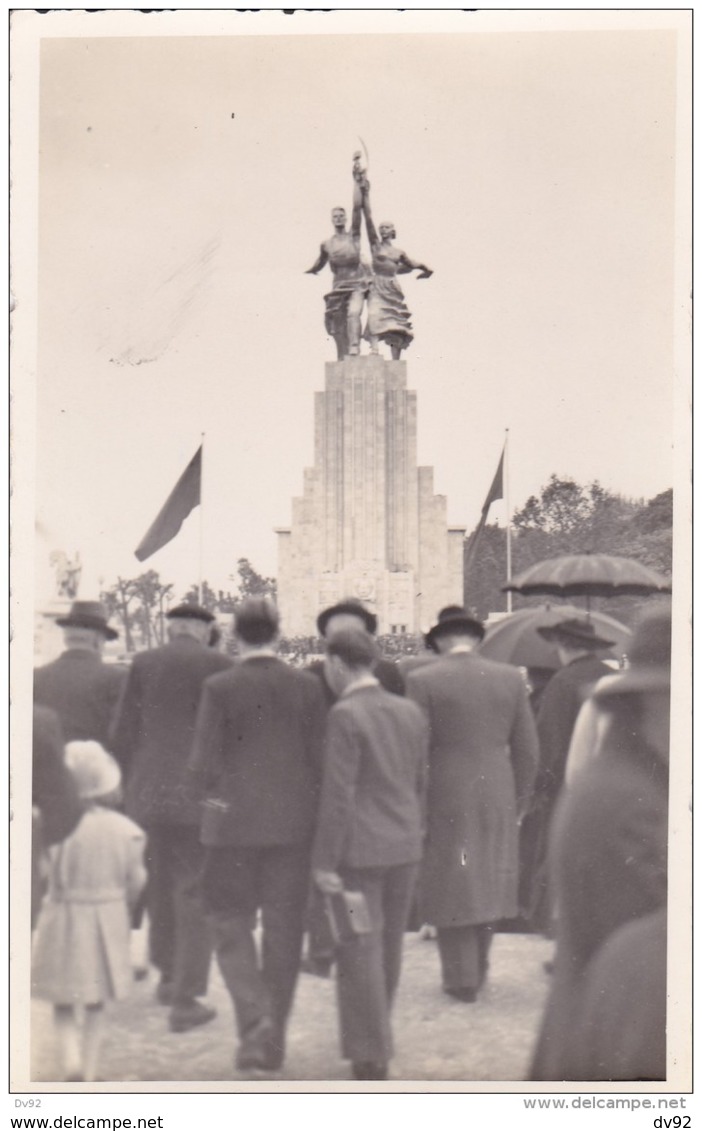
(310, 817)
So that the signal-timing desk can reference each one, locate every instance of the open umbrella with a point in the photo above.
(515, 639)
(588, 575)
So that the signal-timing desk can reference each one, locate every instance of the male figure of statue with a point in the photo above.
(352, 277)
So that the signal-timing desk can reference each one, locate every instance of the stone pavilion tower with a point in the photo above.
(368, 524)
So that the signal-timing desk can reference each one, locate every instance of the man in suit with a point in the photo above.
(483, 756)
(78, 686)
(152, 740)
(578, 646)
(369, 839)
(351, 614)
(257, 753)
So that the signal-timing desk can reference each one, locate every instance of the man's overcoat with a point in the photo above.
(483, 757)
(83, 691)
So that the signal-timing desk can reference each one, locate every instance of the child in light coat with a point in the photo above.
(81, 954)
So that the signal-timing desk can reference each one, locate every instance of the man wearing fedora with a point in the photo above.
(579, 651)
(352, 615)
(482, 760)
(152, 739)
(78, 686)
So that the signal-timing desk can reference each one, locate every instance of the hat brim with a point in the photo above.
(369, 619)
(84, 622)
(455, 626)
(110, 782)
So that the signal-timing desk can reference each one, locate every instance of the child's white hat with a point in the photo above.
(95, 771)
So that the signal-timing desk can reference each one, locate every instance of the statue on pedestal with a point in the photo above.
(352, 277)
(68, 571)
(388, 318)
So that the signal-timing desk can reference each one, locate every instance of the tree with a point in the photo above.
(569, 518)
(252, 583)
(117, 601)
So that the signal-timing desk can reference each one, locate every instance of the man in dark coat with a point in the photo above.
(369, 839)
(56, 807)
(483, 756)
(608, 859)
(351, 614)
(78, 686)
(257, 753)
(578, 647)
(153, 738)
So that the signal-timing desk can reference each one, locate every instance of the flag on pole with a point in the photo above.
(497, 491)
(184, 497)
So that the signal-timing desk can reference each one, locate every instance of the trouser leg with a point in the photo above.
(238, 961)
(398, 893)
(285, 876)
(193, 934)
(460, 954)
(361, 979)
(355, 307)
(485, 936)
(159, 900)
(230, 894)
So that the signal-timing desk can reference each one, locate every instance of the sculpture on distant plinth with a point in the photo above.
(352, 277)
(68, 571)
(388, 318)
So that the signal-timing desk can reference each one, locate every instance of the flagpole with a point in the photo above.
(509, 520)
(202, 507)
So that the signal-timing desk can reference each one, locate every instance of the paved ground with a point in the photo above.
(437, 1038)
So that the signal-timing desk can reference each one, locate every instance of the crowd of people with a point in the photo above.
(242, 805)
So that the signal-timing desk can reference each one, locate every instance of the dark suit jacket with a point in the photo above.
(483, 755)
(83, 691)
(257, 752)
(154, 729)
(375, 764)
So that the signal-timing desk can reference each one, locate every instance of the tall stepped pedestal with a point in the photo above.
(368, 523)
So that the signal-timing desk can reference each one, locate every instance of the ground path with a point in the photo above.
(437, 1038)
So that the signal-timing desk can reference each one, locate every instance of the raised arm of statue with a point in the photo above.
(370, 226)
(357, 206)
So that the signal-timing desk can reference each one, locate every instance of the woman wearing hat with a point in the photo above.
(608, 860)
(81, 954)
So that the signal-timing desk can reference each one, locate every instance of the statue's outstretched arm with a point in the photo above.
(405, 265)
(319, 262)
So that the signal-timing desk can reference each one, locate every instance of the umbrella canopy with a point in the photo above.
(588, 575)
(515, 640)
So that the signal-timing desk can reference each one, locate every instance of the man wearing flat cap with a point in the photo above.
(152, 740)
(579, 651)
(78, 686)
(482, 759)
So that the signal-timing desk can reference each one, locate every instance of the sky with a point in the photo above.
(185, 184)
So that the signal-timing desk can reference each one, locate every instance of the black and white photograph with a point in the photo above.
(351, 569)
